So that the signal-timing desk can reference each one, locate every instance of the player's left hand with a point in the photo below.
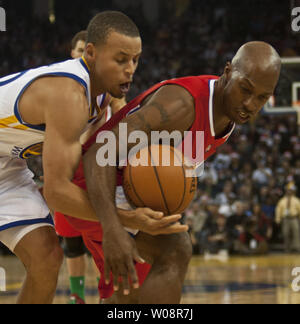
(153, 223)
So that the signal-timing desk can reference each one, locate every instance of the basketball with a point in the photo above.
(157, 178)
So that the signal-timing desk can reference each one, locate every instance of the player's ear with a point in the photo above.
(228, 71)
(90, 51)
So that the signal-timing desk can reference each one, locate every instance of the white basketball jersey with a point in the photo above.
(17, 138)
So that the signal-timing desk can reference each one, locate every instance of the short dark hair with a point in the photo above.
(105, 22)
(81, 36)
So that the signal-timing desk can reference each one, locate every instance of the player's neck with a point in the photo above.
(221, 121)
(96, 90)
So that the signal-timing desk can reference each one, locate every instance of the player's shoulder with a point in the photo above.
(198, 79)
(196, 85)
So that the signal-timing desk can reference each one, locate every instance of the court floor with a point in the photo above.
(239, 280)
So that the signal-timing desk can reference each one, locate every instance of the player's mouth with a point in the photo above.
(125, 87)
(243, 116)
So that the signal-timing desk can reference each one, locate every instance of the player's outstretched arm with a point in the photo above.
(66, 115)
(171, 108)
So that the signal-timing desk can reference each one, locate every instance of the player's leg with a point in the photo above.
(42, 256)
(74, 251)
(169, 256)
(27, 229)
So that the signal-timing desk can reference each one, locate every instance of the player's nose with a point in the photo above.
(130, 69)
(250, 105)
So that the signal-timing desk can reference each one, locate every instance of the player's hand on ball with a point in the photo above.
(155, 223)
(120, 252)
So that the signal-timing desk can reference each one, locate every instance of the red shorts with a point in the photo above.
(92, 234)
(63, 227)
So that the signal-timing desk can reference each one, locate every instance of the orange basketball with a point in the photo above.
(163, 182)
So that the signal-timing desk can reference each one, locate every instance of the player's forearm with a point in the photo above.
(101, 184)
(69, 199)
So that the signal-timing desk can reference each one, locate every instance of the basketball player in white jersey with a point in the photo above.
(74, 248)
(46, 110)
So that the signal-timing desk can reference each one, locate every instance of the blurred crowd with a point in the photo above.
(235, 210)
(190, 37)
(247, 199)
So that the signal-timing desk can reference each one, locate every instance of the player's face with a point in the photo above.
(115, 63)
(247, 93)
(78, 51)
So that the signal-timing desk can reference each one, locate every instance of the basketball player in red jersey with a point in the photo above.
(205, 103)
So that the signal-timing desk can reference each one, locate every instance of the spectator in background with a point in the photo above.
(288, 214)
(217, 238)
(226, 196)
(250, 241)
(264, 224)
(261, 175)
(196, 217)
(236, 223)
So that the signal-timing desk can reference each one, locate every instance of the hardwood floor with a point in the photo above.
(240, 280)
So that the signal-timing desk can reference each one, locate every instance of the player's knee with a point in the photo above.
(184, 248)
(47, 262)
(179, 249)
(74, 247)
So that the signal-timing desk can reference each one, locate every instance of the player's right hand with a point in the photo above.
(120, 252)
(155, 223)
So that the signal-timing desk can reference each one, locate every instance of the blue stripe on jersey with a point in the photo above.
(84, 65)
(46, 220)
(3, 83)
(61, 74)
(103, 98)
(134, 110)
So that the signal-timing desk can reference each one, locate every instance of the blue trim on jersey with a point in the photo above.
(61, 74)
(84, 65)
(47, 220)
(103, 99)
(12, 79)
(134, 110)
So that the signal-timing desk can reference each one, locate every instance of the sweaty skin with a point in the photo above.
(242, 91)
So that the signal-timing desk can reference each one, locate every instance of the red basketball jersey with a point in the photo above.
(202, 89)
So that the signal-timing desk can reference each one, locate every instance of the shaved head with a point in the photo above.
(258, 56)
(249, 81)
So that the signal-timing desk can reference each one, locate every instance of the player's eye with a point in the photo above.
(136, 60)
(121, 61)
(246, 90)
(264, 98)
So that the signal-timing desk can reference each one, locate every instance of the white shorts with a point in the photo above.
(12, 236)
(21, 204)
